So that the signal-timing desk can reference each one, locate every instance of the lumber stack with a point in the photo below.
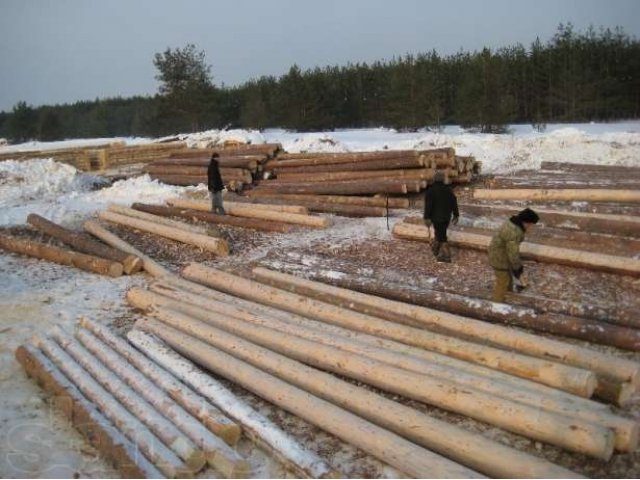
(363, 173)
(133, 411)
(239, 165)
(284, 328)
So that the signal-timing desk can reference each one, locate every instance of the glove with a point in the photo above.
(427, 222)
(518, 272)
(455, 220)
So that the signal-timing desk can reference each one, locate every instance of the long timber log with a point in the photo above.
(131, 212)
(239, 210)
(560, 194)
(383, 201)
(203, 309)
(292, 454)
(218, 454)
(581, 167)
(343, 187)
(166, 431)
(136, 431)
(343, 209)
(253, 223)
(62, 256)
(214, 245)
(542, 253)
(299, 209)
(85, 243)
(591, 222)
(91, 333)
(308, 159)
(575, 380)
(148, 264)
(606, 365)
(409, 174)
(557, 324)
(511, 416)
(387, 446)
(94, 426)
(487, 457)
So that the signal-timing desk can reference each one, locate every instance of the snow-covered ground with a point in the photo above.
(35, 295)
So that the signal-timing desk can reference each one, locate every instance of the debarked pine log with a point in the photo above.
(345, 187)
(542, 253)
(217, 453)
(560, 194)
(148, 264)
(344, 209)
(94, 426)
(558, 324)
(572, 379)
(410, 174)
(215, 245)
(241, 210)
(62, 256)
(85, 244)
(288, 451)
(490, 458)
(253, 223)
(130, 212)
(387, 446)
(607, 365)
(166, 431)
(209, 311)
(299, 209)
(382, 201)
(211, 417)
(136, 431)
(551, 428)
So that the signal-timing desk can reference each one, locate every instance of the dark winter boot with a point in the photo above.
(445, 253)
(435, 248)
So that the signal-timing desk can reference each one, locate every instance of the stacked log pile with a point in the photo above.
(85, 253)
(239, 165)
(260, 333)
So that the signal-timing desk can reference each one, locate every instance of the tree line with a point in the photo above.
(575, 76)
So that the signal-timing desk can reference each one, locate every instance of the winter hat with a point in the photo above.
(528, 216)
(438, 176)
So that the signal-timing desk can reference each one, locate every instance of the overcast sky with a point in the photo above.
(59, 51)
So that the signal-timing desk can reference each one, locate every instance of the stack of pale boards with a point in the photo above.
(277, 336)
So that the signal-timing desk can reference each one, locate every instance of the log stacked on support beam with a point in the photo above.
(239, 165)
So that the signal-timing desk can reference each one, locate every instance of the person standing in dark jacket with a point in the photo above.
(440, 204)
(215, 185)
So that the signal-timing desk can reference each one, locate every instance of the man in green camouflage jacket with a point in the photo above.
(504, 251)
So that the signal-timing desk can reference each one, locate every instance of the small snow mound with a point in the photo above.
(433, 140)
(220, 138)
(315, 142)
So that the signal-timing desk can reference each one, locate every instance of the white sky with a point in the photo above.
(67, 50)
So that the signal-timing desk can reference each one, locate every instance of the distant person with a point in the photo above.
(504, 251)
(215, 185)
(440, 204)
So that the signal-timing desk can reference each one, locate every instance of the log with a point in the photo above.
(186, 180)
(344, 209)
(130, 212)
(205, 205)
(196, 171)
(195, 306)
(318, 158)
(473, 307)
(211, 417)
(166, 431)
(607, 365)
(581, 167)
(94, 426)
(345, 187)
(252, 223)
(86, 244)
(239, 210)
(513, 416)
(533, 251)
(591, 222)
(292, 454)
(385, 201)
(150, 266)
(560, 194)
(387, 446)
(62, 256)
(410, 174)
(575, 380)
(137, 432)
(214, 245)
(217, 453)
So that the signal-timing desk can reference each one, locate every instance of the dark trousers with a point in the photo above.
(440, 229)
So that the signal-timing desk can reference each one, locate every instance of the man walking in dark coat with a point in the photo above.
(440, 203)
(215, 185)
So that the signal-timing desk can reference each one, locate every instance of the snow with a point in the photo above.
(35, 295)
